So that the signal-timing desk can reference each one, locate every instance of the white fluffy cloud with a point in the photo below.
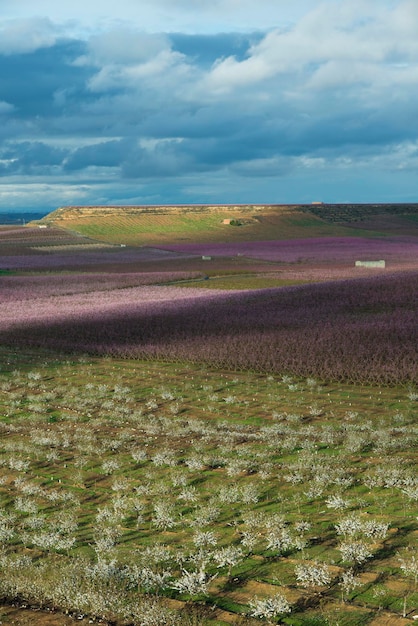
(166, 66)
(26, 35)
(332, 45)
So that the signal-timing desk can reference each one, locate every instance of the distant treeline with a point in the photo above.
(358, 212)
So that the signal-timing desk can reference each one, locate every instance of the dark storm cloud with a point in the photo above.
(207, 49)
(102, 154)
(29, 158)
(166, 159)
(32, 82)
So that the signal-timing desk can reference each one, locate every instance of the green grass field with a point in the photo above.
(245, 281)
(159, 226)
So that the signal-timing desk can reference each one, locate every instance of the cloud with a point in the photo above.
(29, 158)
(29, 196)
(113, 76)
(164, 158)
(30, 82)
(23, 36)
(6, 108)
(362, 38)
(263, 168)
(125, 46)
(119, 109)
(205, 50)
(102, 154)
(186, 16)
(123, 59)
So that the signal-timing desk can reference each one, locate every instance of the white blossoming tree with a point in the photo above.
(269, 608)
(314, 575)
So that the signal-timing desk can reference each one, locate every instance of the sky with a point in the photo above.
(190, 101)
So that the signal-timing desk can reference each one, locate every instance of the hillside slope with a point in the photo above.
(156, 225)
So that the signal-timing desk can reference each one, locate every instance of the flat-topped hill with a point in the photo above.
(146, 224)
(68, 212)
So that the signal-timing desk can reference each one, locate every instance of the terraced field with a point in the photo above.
(159, 225)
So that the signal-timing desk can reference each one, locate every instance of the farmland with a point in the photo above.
(295, 330)
(157, 225)
(209, 431)
(168, 225)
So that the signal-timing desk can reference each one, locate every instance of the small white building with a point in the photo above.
(378, 264)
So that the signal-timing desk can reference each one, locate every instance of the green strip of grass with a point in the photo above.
(242, 282)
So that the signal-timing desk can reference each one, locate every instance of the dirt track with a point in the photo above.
(35, 617)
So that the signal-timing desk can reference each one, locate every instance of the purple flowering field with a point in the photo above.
(359, 330)
(43, 260)
(356, 324)
(323, 249)
(14, 289)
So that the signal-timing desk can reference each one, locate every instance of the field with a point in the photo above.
(205, 433)
(201, 224)
(159, 225)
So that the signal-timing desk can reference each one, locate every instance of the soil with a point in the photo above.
(36, 617)
(389, 619)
